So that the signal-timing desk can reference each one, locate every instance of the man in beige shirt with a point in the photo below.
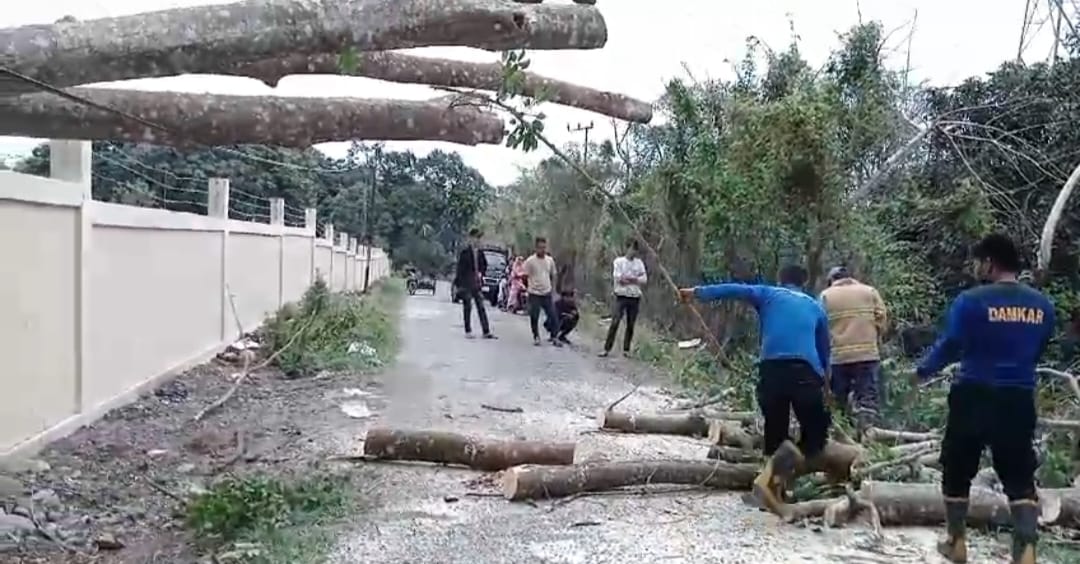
(540, 273)
(857, 318)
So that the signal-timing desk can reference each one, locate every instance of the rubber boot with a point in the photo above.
(954, 547)
(781, 467)
(1025, 519)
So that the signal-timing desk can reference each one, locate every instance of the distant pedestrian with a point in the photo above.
(468, 279)
(857, 320)
(540, 272)
(628, 273)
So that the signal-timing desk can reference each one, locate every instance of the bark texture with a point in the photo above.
(225, 120)
(692, 425)
(733, 454)
(200, 39)
(531, 482)
(729, 433)
(451, 448)
(923, 505)
(412, 69)
(876, 435)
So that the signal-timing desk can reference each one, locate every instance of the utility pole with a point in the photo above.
(585, 128)
(368, 209)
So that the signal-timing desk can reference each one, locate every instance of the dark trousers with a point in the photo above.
(792, 385)
(628, 307)
(859, 381)
(551, 319)
(567, 324)
(983, 416)
(468, 296)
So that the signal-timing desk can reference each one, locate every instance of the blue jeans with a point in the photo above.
(551, 321)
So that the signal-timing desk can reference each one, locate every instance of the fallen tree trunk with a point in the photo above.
(729, 433)
(412, 69)
(452, 448)
(212, 119)
(535, 482)
(692, 425)
(733, 454)
(201, 39)
(923, 504)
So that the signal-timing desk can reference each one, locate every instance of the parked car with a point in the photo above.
(497, 258)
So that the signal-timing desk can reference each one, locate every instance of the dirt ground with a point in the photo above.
(113, 482)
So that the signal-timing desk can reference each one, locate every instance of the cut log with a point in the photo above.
(876, 435)
(452, 448)
(728, 433)
(923, 505)
(691, 425)
(412, 69)
(836, 461)
(535, 482)
(201, 39)
(733, 454)
(212, 119)
(745, 417)
(1067, 501)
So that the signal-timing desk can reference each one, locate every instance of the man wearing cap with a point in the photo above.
(857, 319)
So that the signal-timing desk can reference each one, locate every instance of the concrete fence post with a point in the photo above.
(343, 242)
(329, 235)
(217, 206)
(352, 263)
(311, 216)
(71, 161)
(277, 219)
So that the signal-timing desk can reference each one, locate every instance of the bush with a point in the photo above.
(328, 331)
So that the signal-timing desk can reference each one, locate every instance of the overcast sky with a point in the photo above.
(649, 42)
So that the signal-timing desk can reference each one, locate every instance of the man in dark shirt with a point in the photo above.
(998, 332)
(468, 279)
(567, 309)
(795, 359)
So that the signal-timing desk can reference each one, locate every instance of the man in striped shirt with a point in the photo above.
(857, 318)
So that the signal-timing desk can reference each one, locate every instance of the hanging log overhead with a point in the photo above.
(200, 39)
(412, 69)
(211, 119)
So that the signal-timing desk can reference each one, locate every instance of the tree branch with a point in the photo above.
(1046, 242)
(412, 69)
(211, 119)
(199, 39)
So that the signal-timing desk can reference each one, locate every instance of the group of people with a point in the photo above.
(812, 348)
(536, 277)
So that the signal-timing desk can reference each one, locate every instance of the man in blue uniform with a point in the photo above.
(997, 332)
(791, 373)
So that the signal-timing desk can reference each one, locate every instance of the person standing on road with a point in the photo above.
(540, 272)
(628, 273)
(998, 332)
(468, 279)
(857, 319)
(791, 374)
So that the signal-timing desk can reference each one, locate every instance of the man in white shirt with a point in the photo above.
(629, 276)
(540, 273)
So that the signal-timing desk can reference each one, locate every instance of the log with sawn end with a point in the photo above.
(905, 504)
(540, 482)
(452, 448)
(691, 424)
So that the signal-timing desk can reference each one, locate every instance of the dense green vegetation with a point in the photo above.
(787, 162)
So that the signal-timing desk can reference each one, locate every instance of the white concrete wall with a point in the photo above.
(101, 300)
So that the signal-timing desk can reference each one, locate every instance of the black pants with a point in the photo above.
(623, 306)
(468, 296)
(792, 385)
(567, 324)
(551, 319)
(983, 416)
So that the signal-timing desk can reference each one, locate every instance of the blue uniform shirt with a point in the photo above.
(997, 332)
(793, 324)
